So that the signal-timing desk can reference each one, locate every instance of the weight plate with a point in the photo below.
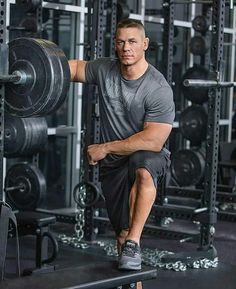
(187, 167)
(36, 135)
(28, 5)
(197, 95)
(33, 182)
(197, 45)
(200, 24)
(60, 63)
(86, 194)
(193, 123)
(44, 81)
(24, 136)
(30, 24)
(14, 135)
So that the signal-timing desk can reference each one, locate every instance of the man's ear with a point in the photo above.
(146, 43)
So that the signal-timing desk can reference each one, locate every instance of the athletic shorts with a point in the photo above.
(118, 177)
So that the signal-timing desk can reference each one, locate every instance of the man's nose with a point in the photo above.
(126, 45)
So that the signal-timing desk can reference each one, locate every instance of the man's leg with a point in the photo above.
(142, 197)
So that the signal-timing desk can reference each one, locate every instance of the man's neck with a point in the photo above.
(132, 72)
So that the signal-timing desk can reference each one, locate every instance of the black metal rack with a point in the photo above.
(3, 70)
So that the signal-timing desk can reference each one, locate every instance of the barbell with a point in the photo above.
(201, 83)
(38, 80)
(197, 95)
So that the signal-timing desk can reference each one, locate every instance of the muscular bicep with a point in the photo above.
(77, 70)
(157, 132)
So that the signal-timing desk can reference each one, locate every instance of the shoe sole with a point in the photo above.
(129, 267)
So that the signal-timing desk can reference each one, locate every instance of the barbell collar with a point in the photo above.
(207, 83)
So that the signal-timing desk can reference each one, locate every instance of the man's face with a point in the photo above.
(130, 45)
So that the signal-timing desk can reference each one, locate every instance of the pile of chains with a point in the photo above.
(152, 257)
(227, 206)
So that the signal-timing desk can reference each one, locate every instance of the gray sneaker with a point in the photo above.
(130, 258)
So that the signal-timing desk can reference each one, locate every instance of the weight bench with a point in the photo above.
(101, 275)
(37, 224)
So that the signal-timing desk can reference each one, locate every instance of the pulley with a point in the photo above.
(193, 124)
(200, 24)
(39, 77)
(198, 46)
(188, 166)
(24, 136)
(197, 95)
(24, 186)
(86, 194)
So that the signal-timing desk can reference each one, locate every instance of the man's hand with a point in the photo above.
(95, 153)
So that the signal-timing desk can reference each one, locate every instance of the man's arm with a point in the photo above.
(77, 70)
(151, 138)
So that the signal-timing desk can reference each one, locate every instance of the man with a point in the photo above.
(136, 113)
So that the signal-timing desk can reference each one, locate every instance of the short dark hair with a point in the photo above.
(130, 23)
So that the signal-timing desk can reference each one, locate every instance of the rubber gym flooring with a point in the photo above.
(222, 277)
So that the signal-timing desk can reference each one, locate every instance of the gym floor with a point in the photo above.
(222, 277)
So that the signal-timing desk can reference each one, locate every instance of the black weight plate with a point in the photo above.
(200, 24)
(34, 184)
(58, 78)
(65, 71)
(36, 135)
(197, 95)
(62, 77)
(197, 45)
(123, 11)
(91, 196)
(28, 5)
(193, 123)
(187, 167)
(14, 135)
(30, 56)
(30, 24)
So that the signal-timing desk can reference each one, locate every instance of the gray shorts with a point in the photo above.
(118, 177)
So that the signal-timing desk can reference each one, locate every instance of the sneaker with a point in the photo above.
(130, 258)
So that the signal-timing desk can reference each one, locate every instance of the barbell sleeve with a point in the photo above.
(13, 188)
(207, 83)
(17, 77)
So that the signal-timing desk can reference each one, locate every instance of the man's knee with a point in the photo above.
(143, 176)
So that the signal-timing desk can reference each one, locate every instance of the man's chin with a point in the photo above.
(127, 62)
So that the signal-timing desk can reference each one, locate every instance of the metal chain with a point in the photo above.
(76, 240)
(152, 257)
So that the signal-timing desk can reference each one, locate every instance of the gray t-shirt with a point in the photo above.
(126, 104)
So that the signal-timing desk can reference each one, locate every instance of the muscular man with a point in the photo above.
(136, 113)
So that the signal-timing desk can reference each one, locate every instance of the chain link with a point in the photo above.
(152, 257)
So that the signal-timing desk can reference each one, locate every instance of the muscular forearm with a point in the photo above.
(136, 142)
(152, 138)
